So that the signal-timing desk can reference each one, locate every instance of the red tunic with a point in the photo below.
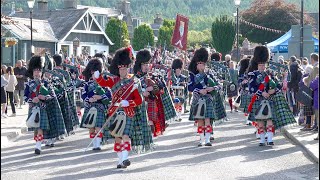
(134, 98)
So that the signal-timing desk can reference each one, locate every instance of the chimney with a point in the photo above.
(125, 7)
(70, 4)
(43, 5)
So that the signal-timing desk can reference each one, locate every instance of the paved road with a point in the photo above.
(235, 154)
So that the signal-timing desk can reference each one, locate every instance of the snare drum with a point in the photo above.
(178, 91)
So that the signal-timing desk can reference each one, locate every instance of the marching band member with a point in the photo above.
(128, 123)
(150, 92)
(69, 90)
(179, 83)
(36, 94)
(243, 85)
(77, 85)
(96, 100)
(202, 102)
(268, 105)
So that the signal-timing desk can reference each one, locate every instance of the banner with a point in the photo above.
(180, 33)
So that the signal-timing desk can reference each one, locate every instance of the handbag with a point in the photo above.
(305, 95)
(34, 119)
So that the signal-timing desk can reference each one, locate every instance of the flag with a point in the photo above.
(180, 33)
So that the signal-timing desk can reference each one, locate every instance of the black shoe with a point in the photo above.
(47, 145)
(270, 143)
(262, 144)
(126, 162)
(211, 138)
(121, 166)
(200, 145)
(51, 145)
(97, 149)
(186, 111)
(37, 151)
(208, 144)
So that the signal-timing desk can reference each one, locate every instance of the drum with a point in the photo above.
(178, 91)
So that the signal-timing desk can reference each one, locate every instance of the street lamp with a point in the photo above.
(30, 5)
(237, 3)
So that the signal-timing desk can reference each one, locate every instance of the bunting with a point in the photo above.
(260, 27)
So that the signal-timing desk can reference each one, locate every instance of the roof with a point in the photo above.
(41, 30)
(67, 17)
(110, 12)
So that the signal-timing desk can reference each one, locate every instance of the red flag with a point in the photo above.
(180, 33)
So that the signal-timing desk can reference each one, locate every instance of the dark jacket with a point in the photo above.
(296, 76)
(21, 81)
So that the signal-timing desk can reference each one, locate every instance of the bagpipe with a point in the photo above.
(96, 89)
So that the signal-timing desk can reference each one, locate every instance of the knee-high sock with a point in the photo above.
(125, 152)
(270, 130)
(38, 139)
(201, 130)
(118, 149)
(262, 135)
(119, 157)
(230, 103)
(207, 135)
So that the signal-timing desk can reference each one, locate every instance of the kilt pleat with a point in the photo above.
(244, 102)
(73, 108)
(64, 105)
(219, 110)
(284, 116)
(56, 121)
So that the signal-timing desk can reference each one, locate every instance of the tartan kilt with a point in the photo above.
(101, 116)
(168, 107)
(129, 128)
(244, 102)
(307, 111)
(44, 121)
(56, 122)
(284, 116)
(209, 107)
(141, 137)
(256, 105)
(73, 108)
(152, 110)
(219, 110)
(64, 105)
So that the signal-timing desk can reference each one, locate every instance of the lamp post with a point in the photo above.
(30, 5)
(301, 32)
(237, 3)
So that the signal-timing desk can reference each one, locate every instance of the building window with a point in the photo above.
(65, 50)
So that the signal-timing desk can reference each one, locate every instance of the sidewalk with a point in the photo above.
(305, 139)
(12, 127)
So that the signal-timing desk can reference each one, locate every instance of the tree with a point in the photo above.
(199, 37)
(117, 31)
(223, 33)
(142, 36)
(165, 34)
(274, 14)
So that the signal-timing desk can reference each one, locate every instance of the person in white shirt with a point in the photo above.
(12, 82)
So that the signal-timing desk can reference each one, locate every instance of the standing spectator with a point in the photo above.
(293, 84)
(314, 85)
(4, 82)
(12, 82)
(20, 72)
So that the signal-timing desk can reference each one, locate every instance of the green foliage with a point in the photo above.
(223, 33)
(200, 12)
(196, 38)
(165, 34)
(277, 15)
(143, 35)
(117, 31)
